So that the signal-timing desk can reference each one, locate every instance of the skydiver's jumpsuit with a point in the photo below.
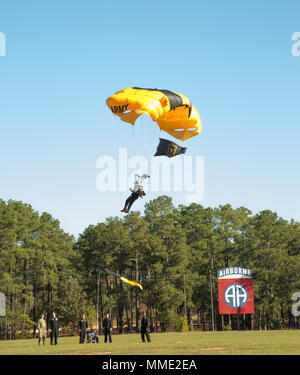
(137, 192)
(42, 327)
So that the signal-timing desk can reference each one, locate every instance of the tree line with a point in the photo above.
(174, 252)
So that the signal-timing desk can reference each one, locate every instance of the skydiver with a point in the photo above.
(136, 192)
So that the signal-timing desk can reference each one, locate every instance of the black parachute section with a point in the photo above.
(169, 148)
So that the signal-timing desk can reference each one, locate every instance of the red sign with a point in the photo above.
(235, 294)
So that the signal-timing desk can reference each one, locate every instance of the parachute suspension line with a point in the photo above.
(139, 138)
(147, 137)
(123, 131)
(152, 130)
(159, 110)
(147, 133)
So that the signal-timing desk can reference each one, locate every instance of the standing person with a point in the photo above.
(54, 328)
(42, 327)
(107, 325)
(82, 326)
(121, 325)
(145, 328)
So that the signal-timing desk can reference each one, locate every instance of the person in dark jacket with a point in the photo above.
(82, 327)
(107, 326)
(54, 328)
(145, 328)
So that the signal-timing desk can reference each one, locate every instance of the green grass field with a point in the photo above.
(221, 343)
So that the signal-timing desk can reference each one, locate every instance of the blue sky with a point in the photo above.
(232, 59)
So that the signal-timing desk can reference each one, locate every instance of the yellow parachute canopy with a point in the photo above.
(173, 112)
(134, 283)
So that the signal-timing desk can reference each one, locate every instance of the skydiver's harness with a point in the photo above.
(136, 192)
(140, 191)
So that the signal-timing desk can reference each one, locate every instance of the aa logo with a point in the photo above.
(235, 295)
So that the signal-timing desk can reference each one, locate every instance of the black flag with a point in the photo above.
(169, 148)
